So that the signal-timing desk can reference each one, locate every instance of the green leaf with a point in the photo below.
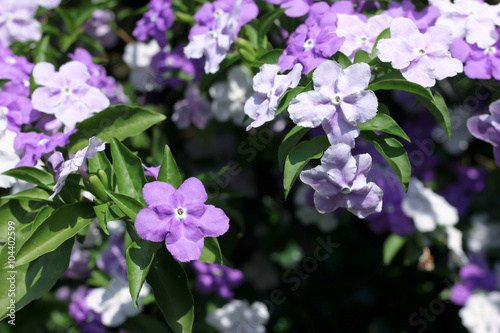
(140, 256)
(118, 121)
(33, 194)
(101, 212)
(169, 282)
(169, 172)
(41, 49)
(290, 95)
(41, 217)
(393, 152)
(342, 59)
(431, 99)
(361, 56)
(128, 205)
(384, 34)
(33, 175)
(289, 142)
(392, 245)
(34, 279)
(63, 224)
(270, 57)
(128, 170)
(211, 252)
(300, 156)
(251, 32)
(266, 22)
(384, 123)
(101, 162)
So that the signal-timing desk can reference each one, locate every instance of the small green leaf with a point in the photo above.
(33, 175)
(33, 194)
(270, 57)
(300, 156)
(118, 121)
(342, 59)
(290, 95)
(169, 172)
(128, 205)
(266, 22)
(128, 170)
(101, 212)
(289, 142)
(62, 225)
(384, 123)
(169, 282)
(41, 49)
(140, 256)
(362, 56)
(384, 34)
(392, 245)
(211, 252)
(393, 152)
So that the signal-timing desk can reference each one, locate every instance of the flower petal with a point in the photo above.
(214, 222)
(150, 226)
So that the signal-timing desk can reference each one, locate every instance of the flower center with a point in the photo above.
(9, 18)
(336, 100)
(215, 35)
(180, 213)
(217, 272)
(169, 62)
(420, 52)
(363, 40)
(3, 110)
(345, 190)
(217, 13)
(309, 44)
(42, 142)
(10, 60)
(490, 50)
(153, 18)
(26, 83)
(270, 93)
(67, 91)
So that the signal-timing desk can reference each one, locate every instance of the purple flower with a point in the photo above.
(18, 24)
(152, 171)
(473, 276)
(269, 86)
(97, 73)
(295, 8)
(66, 93)
(112, 259)
(486, 127)
(167, 64)
(155, 22)
(423, 20)
(340, 181)
(35, 145)
(422, 58)
(18, 110)
(180, 218)
(78, 268)
(79, 163)
(339, 101)
(217, 278)
(480, 63)
(99, 27)
(194, 108)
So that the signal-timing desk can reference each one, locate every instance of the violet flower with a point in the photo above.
(422, 58)
(18, 110)
(473, 276)
(340, 181)
(99, 27)
(194, 108)
(8, 154)
(167, 65)
(480, 63)
(339, 101)
(295, 8)
(485, 127)
(87, 320)
(18, 24)
(423, 19)
(35, 145)
(155, 22)
(269, 86)
(180, 218)
(217, 278)
(66, 93)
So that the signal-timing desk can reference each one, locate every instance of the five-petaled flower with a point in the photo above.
(180, 218)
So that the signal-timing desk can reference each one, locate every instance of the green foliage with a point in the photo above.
(32, 175)
(169, 172)
(392, 245)
(211, 252)
(290, 140)
(128, 205)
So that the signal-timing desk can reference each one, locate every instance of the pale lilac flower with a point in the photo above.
(423, 19)
(475, 275)
(194, 108)
(152, 171)
(87, 320)
(269, 86)
(295, 8)
(34, 145)
(180, 218)
(217, 278)
(486, 127)
(78, 268)
(99, 27)
(239, 316)
(214, 43)
(469, 19)
(18, 24)
(114, 303)
(340, 181)
(8, 154)
(79, 162)
(169, 65)
(308, 215)
(480, 63)
(422, 58)
(484, 234)
(66, 94)
(155, 22)
(358, 34)
(229, 97)
(18, 110)
(339, 101)
(481, 313)
(138, 57)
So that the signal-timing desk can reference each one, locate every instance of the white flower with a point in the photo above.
(481, 313)
(8, 154)
(308, 215)
(238, 316)
(230, 97)
(114, 303)
(454, 242)
(427, 208)
(484, 234)
(138, 57)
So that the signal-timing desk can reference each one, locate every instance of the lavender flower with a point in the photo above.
(152, 171)
(18, 24)
(138, 57)
(99, 27)
(217, 278)
(78, 263)
(35, 145)
(423, 19)
(339, 101)
(239, 316)
(167, 64)
(66, 93)
(473, 276)
(269, 87)
(422, 58)
(307, 213)
(155, 22)
(8, 154)
(295, 8)
(480, 63)
(485, 127)
(194, 108)
(340, 181)
(180, 218)
(88, 320)
(18, 110)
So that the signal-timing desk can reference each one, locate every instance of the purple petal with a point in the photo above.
(214, 222)
(150, 226)
(185, 241)
(157, 193)
(310, 108)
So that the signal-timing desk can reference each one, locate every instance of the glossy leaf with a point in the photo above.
(33, 175)
(361, 56)
(32, 194)
(290, 95)
(211, 252)
(101, 212)
(266, 22)
(169, 172)
(290, 140)
(392, 245)
(128, 205)
(384, 34)
(384, 123)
